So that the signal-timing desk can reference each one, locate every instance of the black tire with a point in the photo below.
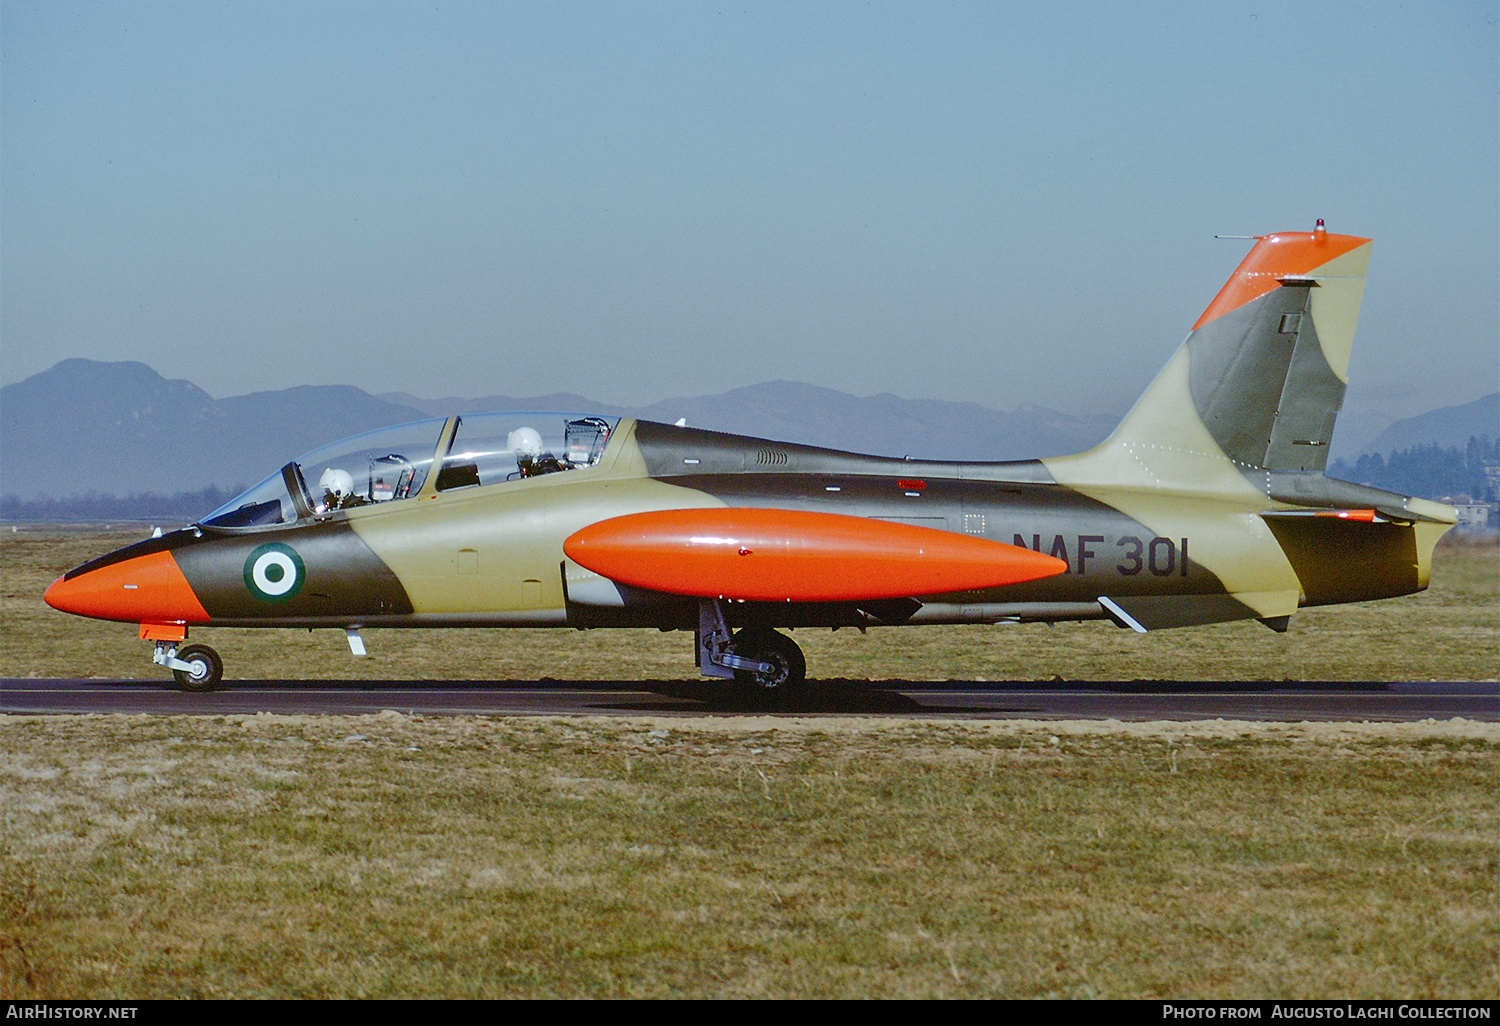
(208, 668)
(768, 646)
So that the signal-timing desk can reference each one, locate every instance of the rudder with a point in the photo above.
(1269, 358)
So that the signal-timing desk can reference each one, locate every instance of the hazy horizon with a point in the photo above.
(1352, 436)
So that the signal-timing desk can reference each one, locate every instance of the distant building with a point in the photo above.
(1473, 516)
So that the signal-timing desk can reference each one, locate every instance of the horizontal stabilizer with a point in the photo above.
(775, 555)
(1379, 515)
(1364, 516)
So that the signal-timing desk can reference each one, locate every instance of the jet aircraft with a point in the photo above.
(1208, 503)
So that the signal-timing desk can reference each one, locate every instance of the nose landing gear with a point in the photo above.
(196, 667)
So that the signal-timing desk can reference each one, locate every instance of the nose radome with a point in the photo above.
(143, 589)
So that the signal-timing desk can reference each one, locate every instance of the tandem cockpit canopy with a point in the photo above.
(395, 463)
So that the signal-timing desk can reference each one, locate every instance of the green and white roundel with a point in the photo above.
(274, 573)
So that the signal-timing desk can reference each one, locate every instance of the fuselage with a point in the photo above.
(492, 554)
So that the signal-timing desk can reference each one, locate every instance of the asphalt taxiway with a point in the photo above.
(1085, 700)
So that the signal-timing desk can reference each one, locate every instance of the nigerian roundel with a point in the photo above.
(274, 573)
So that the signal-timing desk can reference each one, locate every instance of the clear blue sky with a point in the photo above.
(1005, 203)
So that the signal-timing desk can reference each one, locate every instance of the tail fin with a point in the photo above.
(1258, 382)
(1242, 414)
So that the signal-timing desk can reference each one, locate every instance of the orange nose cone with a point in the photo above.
(147, 588)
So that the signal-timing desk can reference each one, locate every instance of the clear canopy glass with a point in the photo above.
(493, 447)
(392, 464)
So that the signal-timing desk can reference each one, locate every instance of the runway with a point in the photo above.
(1082, 700)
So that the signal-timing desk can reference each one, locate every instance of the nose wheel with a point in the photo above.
(205, 668)
(195, 667)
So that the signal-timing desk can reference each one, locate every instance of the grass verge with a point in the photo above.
(388, 856)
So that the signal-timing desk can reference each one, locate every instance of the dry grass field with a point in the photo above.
(392, 856)
(388, 856)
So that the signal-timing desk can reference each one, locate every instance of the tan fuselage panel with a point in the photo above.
(500, 548)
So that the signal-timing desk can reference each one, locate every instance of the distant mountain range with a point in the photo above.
(883, 424)
(123, 429)
(85, 427)
(1449, 426)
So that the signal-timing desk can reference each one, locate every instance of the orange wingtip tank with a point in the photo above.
(1283, 255)
(145, 589)
(774, 555)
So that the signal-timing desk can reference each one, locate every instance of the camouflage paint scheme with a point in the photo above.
(1208, 503)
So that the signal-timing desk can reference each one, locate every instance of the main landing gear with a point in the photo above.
(754, 655)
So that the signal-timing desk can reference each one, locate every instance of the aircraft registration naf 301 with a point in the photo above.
(1207, 504)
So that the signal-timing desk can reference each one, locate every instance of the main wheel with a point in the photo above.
(207, 668)
(788, 667)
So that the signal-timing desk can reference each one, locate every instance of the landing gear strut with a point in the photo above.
(755, 655)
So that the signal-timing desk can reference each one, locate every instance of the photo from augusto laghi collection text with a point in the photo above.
(1327, 1010)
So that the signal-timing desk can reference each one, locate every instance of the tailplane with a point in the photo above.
(1242, 414)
